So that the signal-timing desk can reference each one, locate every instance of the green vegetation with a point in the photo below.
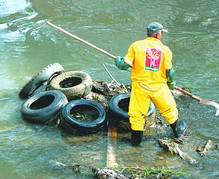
(140, 173)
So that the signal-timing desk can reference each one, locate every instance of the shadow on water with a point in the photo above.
(28, 45)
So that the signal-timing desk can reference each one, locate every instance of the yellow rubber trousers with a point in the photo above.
(140, 100)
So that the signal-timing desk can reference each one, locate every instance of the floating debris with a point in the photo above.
(173, 147)
(109, 89)
(199, 148)
(134, 172)
(206, 147)
(107, 173)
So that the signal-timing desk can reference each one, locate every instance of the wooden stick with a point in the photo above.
(187, 93)
(203, 101)
(111, 75)
(81, 40)
(111, 147)
(115, 79)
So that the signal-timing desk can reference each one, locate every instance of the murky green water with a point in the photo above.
(28, 44)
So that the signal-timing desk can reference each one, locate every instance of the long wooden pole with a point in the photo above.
(203, 101)
(81, 40)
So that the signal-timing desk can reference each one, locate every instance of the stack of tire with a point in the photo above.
(57, 95)
(54, 94)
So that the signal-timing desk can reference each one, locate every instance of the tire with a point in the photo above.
(73, 84)
(118, 111)
(41, 89)
(43, 107)
(119, 103)
(83, 117)
(40, 78)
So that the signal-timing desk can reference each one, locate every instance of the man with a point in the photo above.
(152, 78)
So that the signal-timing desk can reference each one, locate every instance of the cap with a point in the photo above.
(156, 27)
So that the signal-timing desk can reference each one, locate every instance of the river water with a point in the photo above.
(28, 45)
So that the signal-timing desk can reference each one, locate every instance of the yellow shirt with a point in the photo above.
(149, 59)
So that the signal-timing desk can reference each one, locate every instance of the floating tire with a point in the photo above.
(118, 109)
(43, 76)
(74, 84)
(83, 117)
(43, 107)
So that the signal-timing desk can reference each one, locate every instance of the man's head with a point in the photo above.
(155, 29)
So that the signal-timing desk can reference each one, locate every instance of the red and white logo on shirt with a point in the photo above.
(153, 58)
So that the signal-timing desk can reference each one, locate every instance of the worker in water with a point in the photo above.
(152, 78)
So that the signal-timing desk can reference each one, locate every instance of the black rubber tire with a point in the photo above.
(43, 107)
(119, 103)
(74, 84)
(118, 113)
(86, 108)
(43, 76)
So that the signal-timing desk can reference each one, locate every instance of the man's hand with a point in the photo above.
(171, 85)
(120, 63)
(170, 78)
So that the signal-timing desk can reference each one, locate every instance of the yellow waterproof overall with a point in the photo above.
(150, 59)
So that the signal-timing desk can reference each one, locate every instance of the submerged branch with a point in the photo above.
(173, 147)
